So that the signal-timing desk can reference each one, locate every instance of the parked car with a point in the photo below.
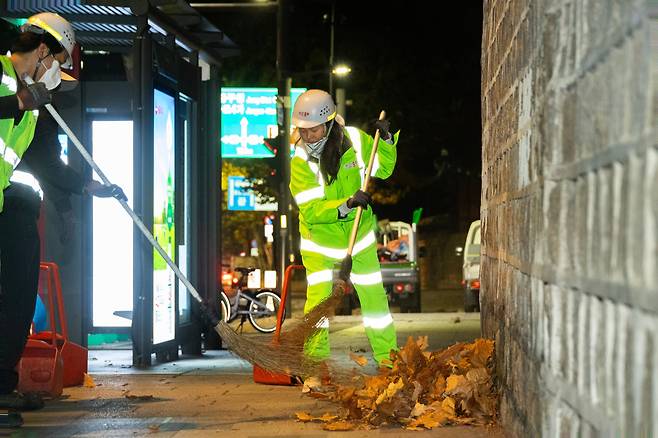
(471, 269)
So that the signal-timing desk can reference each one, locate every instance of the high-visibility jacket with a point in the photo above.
(325, 236)
(318, 201)
(14, 139)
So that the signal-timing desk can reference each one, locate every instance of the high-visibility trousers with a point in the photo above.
(367, 280)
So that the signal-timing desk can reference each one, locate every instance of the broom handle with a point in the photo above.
(364, 186)
(138, 222)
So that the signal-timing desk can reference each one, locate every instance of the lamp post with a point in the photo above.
(332, 20)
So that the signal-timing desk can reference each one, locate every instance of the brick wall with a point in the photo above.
(570, 214)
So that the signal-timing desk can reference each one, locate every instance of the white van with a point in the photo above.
(471, 269)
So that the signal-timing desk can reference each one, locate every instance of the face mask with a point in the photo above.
(315, 149)
(52, 76)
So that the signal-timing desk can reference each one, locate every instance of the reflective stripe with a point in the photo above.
(309, 195)
(364, 243)
(379, 322)
(319, 277)
(301, 153)
(355, 136)
(323, 323)
(10, 156)
(28, 179)
(337, 253)
(35, 113)
(366, 279)
(9, 82)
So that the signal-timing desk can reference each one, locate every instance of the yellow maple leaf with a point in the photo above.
(390, 391)
(458, 385)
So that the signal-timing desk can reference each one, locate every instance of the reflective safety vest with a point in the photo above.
(318, 201)
(14, 139)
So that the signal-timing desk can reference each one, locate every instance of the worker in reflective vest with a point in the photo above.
(46, 42)
(326, 175)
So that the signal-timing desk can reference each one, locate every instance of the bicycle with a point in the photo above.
(261, 306)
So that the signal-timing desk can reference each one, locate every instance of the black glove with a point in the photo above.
(34, 96)
(94, 188)
(359, 199)
(383, 126)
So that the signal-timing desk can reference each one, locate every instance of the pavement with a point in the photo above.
(215, 395)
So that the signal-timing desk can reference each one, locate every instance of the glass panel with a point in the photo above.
(164, 135)
(112, 240)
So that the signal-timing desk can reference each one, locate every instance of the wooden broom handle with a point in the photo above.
(364, 186)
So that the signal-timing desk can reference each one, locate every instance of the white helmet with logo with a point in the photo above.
(56, 26)
(313, 108)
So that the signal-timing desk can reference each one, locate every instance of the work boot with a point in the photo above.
(19, 401)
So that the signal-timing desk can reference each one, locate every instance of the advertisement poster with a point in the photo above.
(248, 117)
(112, 239)
(164, 303)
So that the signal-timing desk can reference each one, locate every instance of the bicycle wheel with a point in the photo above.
(263, 311)
(224, 307)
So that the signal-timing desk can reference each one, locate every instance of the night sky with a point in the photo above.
(422, 67)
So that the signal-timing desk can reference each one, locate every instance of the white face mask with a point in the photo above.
(315, 149)
(52, 76)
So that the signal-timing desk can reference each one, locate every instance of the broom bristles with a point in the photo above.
(287, 355)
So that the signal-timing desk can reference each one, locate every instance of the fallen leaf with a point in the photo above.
(311, 383)
(304, 417)
(327, 417)
(339, 426)
(418, 410)
(88, 381)
(360, 360)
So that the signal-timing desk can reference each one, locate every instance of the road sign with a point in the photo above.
(249, 116)
(240, 196)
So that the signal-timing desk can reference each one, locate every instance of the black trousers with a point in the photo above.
(19, 281)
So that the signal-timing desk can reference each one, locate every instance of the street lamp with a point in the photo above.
(341, 70)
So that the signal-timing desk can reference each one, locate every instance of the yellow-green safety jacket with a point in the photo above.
(321, 228)
(14, 139)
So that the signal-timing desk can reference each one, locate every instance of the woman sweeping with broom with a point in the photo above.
(327, 174)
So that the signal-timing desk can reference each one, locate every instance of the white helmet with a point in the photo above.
(313, 108)
(56, 26)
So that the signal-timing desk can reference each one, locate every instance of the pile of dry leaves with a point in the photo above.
(422, 390)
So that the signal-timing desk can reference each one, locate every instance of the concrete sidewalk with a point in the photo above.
(216, 395)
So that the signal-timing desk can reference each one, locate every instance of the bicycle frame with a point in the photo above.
(244, 311)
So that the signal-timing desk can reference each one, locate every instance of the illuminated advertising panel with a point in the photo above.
(164, 298)
(249, 116)
(112, 239)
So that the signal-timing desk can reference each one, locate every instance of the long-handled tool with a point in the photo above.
(137, 221)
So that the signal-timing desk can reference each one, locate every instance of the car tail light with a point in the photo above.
(235, 280)
(475, 284)
(227, 277)
(403, 287)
